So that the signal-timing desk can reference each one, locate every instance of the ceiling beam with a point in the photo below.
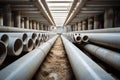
(59, 1)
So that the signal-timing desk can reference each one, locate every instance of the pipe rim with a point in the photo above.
(30, 44)
(5, 39)
(18, 47)
(85, 38)
(34, 35)
(24, 38)
(36, 43)
(3, 52)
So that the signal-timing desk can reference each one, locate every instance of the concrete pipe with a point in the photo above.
(32, 35)
(108, 30)
(110, 57)
(28, 46)
(36, 44)
(106, 39)
(84, 38)
(77, 38)
(82, 65)
(40, 40)
(30, 63)
(22, 36)
(46, 35)
(3, 52)
(38, 35)
(15, 46)
(4, 38)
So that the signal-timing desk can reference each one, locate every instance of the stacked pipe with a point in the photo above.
(82, 65)
(25, 67)
(104, 40)
(13, 43)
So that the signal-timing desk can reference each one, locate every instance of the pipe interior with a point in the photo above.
(36, 42)
(3, 52)
(34, 36)
(78, 38)
(24, 38)
(5, 38)
(18, 46)
(85, 38)
(30, 44)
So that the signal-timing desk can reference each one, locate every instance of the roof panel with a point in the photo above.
(59, 9)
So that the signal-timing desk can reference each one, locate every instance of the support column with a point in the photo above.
(108, 18)
(72, 27)
(1, 19)
(33, 24)
(7, 15)
(30, 24)
(37, 24)
(84, 25)
(96, 22)
(117, 17)
(41, 26)
(22, 23)
(76, 26)
(26, 19)
(46, 27)
(17, 19)
(90, 23)
(79, 26)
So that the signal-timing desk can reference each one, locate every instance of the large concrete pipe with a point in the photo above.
(107, 39)
(36, 43)
(108, 30)
(32, 35)
(28, 46)
(3, 52)
(4, 38)
(84, 38)
(15, 46)
(77, 38)
(110, 57)
(83, 67)
(25, 67)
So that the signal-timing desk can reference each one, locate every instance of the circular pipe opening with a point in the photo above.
(34, 35)
(3, 52)
(85, 38)
(18, 46)
(36, 43)
(24, 38)
(30, 44)
(38, 35)
(5, 39)
(78, 38)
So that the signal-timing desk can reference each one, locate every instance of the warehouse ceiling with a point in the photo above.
(83, 9)
(32, 9)
(59, 10)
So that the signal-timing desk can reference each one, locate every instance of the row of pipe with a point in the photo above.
(13, 29)
(25, 67)
(82, 65)
(13, 44)
(107, 40)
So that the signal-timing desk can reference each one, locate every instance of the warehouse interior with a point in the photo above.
(59, 39)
